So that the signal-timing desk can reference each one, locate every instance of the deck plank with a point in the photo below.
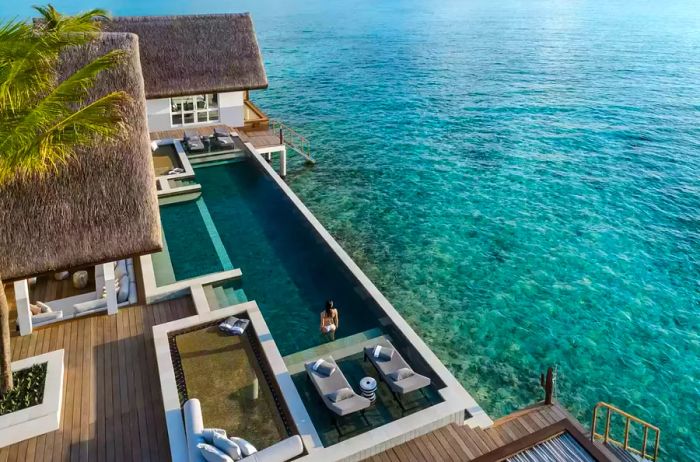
(111, 397)
(462, 443)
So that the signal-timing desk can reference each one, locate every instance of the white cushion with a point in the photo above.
(46, 317)
(120, 270)
(90, 305)
(246, 448)
(211, 454)
(123, 290)
(208, 434)
(132, 292)
(227, 446)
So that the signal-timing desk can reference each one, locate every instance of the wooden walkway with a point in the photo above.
(112, 405)
(506, 437)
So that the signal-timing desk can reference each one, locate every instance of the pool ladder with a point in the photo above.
(629, 419)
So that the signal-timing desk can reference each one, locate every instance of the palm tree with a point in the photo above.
(44, 117)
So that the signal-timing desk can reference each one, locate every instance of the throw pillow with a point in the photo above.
(44, 307)
(323, 367)
(401, 374)
(208, 434)
(227, 446)
(340, 395)
(211, 454)
(383, 353)
(247, 449)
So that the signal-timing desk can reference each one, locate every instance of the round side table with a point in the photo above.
(368, 386)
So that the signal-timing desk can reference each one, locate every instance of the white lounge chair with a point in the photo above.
(389, 370)
(329, 385)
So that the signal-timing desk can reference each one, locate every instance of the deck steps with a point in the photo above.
(340, 348)
(199, 159)
(623, 455)
(221, 296)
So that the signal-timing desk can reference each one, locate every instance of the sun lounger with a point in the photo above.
(395, 371)
(329, 385)
(222, 137)
(193, 141)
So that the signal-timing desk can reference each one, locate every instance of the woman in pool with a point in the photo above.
(329, 320)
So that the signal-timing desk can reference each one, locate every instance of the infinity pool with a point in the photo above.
(243, 220)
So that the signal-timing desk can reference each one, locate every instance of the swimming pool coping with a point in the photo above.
(171, 399)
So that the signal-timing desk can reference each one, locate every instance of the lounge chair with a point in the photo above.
(326, 386)
(193, 141)
(222, 138)
(389, 368)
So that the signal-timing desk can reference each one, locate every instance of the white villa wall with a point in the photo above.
(231, 112)
(231, 109)
(158, 111)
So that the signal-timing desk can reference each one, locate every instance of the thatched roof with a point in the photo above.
(195, 54)
(101, 206)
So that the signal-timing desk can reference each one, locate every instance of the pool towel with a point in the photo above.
(234, 326)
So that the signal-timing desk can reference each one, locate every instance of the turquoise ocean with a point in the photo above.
(520, 178)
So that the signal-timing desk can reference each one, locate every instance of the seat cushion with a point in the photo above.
(227, 446)
(120, 269)
(123, 291)
(212, 454)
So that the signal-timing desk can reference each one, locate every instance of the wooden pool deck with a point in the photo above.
(112, 405)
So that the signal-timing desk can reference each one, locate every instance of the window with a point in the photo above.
(197, 109)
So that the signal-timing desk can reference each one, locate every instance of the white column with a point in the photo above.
(283, 162)
(268, 156)
(108, 270)
(24, 316)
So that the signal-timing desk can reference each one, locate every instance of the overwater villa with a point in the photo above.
(139, 366)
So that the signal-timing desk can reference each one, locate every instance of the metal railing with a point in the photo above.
(625, 444)
(292, 139)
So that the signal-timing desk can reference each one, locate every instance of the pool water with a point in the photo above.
(286, 268)
(186, 236)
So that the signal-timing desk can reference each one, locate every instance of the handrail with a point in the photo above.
(293, 139)
(629, 418)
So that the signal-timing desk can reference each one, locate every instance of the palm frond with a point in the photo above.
(86, 22)
(43, 151)
(43, 122)
(26, 65)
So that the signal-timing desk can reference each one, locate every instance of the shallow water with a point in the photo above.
(519, 178)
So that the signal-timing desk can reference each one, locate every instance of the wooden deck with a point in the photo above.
(509, 435)
(112, 405)
(260, 138)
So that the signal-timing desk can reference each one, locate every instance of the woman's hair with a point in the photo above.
(329, 306)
